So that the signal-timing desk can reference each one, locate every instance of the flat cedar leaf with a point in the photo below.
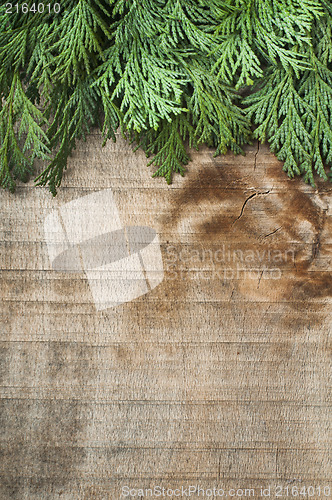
(169, 74)
(279, 111)
(168, 146)
(19, 119)
(316, 89)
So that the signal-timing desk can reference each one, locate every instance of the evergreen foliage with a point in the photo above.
(167, 73)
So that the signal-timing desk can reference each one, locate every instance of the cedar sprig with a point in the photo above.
(170, 74)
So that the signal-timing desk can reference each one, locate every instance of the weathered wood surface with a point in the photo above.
(218, 378)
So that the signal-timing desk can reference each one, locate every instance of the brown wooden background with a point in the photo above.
(205, 380)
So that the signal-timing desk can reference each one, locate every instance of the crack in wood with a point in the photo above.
(256, 154)
(259, 280)
(246, 201)
(273, 232)
(317, 240)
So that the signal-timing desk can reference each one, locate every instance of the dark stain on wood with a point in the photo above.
(292, 212)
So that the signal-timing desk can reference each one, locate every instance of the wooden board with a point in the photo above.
(219, 377)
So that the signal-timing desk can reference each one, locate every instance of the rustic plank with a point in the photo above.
(220, 376)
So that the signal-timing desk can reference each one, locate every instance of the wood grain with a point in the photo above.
(219, 377)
